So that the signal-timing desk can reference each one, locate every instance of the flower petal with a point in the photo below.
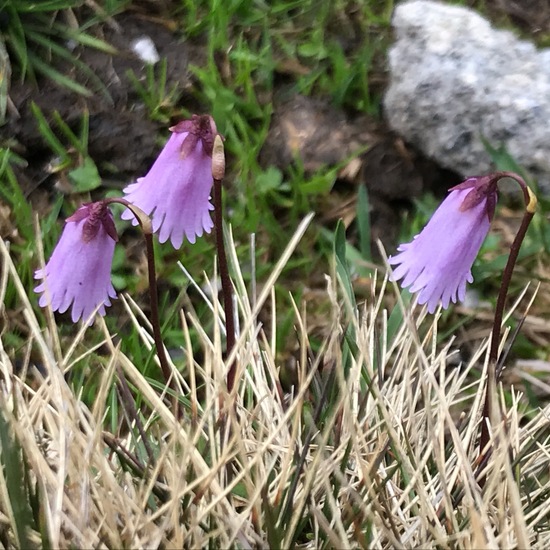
(78, 273)
(176, 190)
(437, 262)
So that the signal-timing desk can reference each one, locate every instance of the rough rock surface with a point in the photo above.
(455, 80)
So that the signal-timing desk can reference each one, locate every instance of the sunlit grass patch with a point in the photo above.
(374, 445)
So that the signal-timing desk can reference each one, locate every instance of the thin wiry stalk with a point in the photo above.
(146, 227)
(491, 412)
(227, 287)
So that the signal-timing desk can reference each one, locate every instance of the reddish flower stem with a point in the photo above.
(218, 173)
(505, 284)
(227, 288)
(147, 230)
(492, 375)
(154, 305)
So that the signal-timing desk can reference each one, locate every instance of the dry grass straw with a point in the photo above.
(375, 446)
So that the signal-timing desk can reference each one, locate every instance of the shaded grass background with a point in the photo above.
(355, 419)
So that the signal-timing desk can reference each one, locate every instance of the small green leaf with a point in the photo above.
(312, 50)
(85, 177)
(270, 180)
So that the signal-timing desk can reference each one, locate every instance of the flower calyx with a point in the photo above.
(199, 128)
(96, 214)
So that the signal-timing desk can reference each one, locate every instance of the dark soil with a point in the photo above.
(123, 141)
(122, 138)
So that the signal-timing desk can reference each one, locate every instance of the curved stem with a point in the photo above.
(505, 284)
(528, 195)
(492, 375)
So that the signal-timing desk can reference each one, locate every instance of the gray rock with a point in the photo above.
(454, 79)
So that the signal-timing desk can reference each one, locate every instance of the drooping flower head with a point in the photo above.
(437, 262)
(176, 190)
(79, 270)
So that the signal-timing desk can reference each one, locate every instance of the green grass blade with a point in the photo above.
(363, 222)
(85, 39)
(53, 48)
(71, 137)
(396, 318)
(58, 77)
(51, 139)
(5, 76)
(47, 5)
(10, 191)
(13, 473)
(342, 269)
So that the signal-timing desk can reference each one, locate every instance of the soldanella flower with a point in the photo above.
(78, 273)
(437, 263)
(176, 190)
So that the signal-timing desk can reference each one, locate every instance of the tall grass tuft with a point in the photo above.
(373, 446)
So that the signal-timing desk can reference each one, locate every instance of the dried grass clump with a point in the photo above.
(374, 447)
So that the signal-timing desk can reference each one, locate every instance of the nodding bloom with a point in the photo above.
(79, 270)
(437, 262)
(176, 190)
